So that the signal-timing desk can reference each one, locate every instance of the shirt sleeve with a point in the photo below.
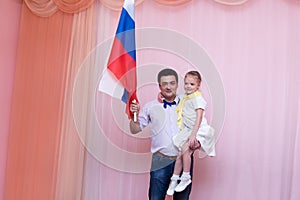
(144, 116)
(199, 102)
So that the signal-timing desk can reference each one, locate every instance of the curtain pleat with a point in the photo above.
(42, 8)
(172, 2)
(117, 4)
(46, 8)
(72, 152)
(231, 2)
(73, 6)
(37, 106)
(102, 132)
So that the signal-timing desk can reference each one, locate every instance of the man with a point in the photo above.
(162, 120)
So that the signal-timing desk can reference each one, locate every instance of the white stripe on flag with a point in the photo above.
(129, 6)
(109, 85)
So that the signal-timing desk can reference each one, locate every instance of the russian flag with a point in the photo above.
(119, 79)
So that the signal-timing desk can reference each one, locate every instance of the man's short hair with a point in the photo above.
(167, 72)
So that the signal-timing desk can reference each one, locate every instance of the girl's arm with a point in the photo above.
(193, 142)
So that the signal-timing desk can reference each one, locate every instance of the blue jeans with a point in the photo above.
(160, 175)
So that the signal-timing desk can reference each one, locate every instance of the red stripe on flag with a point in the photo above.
(122, 65)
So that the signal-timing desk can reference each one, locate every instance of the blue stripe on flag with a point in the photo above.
(125, 96)
(126, 34)
(126, 22)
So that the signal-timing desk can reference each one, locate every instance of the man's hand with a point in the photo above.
(135, 107)
(134, 125)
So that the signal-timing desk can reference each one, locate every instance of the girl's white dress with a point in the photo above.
(205, 134)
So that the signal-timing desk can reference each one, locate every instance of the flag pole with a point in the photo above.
(135, 113)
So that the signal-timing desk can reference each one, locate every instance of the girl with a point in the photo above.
(193, 129)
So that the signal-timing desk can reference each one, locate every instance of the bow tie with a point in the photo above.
(166, 103)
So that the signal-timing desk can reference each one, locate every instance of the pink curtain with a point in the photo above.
(8, 52)
(33, 152)
(69, 141)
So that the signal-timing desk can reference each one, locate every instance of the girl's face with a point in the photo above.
(191, 84)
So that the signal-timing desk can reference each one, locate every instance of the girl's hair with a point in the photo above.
(195, 74)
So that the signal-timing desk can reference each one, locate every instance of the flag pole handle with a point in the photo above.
(134, 117)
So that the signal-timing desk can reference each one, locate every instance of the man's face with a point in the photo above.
(168, 86)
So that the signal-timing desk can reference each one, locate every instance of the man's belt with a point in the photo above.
(165, 156)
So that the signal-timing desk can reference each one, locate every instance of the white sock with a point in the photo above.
(175, 177)
(186, 175)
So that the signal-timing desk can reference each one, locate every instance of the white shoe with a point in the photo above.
(183, 184)
(171, 188)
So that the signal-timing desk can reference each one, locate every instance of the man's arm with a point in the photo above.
(134, 127)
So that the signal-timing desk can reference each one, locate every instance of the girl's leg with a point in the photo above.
(184, 195)
(186, 159)
(185, 177)
(175, 177)
(178, 164)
